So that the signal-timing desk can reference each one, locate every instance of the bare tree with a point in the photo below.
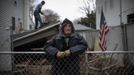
(50, 16)
(88, 6)
(88, 9)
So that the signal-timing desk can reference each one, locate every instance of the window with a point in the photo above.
(130, 18)
(13, 23)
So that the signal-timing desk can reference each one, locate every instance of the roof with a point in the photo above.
(79, 27)
(26, 37)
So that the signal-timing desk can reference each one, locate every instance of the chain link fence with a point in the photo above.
(91, 63)
(109, 63)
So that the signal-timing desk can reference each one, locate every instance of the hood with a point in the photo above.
(66, 21)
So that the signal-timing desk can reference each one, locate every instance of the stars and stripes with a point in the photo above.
(103, 31)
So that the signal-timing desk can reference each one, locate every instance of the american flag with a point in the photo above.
(103, 31)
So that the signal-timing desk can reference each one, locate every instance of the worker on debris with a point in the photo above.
(37, 14)
(65, 49)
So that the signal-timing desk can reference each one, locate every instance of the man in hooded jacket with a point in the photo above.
(65, 49)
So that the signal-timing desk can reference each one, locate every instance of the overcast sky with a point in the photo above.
(65, 8)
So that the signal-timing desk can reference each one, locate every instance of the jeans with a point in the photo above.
(37, 19)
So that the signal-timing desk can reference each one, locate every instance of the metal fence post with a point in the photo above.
(86, 63)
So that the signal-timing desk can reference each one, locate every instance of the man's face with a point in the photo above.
(67, 29)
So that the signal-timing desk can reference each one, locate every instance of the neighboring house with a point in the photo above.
(13, 15)
(115, 11)
(81, 29)
(87, 33)
(118, 13)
